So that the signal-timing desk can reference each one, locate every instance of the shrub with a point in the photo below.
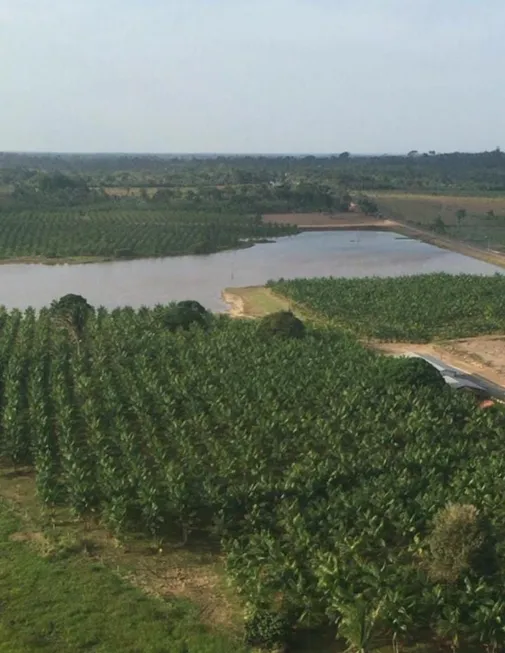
(459, 543)
(283, 324)
(267, 630)
(413, 372)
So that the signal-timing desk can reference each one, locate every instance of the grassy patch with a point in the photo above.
(73, 604)
(255, 301)
(77, 556)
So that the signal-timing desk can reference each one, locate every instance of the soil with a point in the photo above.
(484, 355)
(329, 220)
(235, 303)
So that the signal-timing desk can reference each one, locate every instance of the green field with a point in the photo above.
(315, 465)
(412, 308)
(119, 233)
(483, 221)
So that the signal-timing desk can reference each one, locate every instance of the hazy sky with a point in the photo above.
(252, 75)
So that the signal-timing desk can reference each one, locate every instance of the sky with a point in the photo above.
(252, 76)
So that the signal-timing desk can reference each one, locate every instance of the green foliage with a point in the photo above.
(368, 205)
(282, 324)
(72, 312)
(267, 630)
(71, 304)
(114, 232)
(183, 315)
(358, 624)
(75, 603)
(460, 544)
(482, 171)
(414, 373)
(320, 482)
(411, 308)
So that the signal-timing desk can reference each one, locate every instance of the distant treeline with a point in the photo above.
(483, 171)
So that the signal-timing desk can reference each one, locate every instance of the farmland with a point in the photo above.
(412, 308)
(477, 220)
(319, 472)
(108, 234)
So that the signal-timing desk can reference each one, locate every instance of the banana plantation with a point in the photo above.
(343, 497)
(117, 232)
(411, 308)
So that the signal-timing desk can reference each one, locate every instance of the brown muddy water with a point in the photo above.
(146, 282)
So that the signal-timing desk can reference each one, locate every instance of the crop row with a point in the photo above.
(319, 473)
(129, 233)
(410, 308)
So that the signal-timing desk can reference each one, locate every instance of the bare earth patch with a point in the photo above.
(348, 220)
(484, 355)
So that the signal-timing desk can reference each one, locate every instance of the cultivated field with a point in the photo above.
(411, 308)
(306, 470)
(483, 222)
(83, 235)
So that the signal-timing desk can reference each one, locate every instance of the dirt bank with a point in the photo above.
(315, 221)
(484, 355)
(235, 303)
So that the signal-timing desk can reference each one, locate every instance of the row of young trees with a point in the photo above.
(348, 490)
(415, 308)
(128, 233)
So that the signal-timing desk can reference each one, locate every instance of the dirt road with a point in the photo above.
(359, 221)
(484, 355)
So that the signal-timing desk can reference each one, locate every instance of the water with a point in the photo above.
(151, 281)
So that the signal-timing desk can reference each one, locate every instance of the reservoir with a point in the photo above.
(146, 282)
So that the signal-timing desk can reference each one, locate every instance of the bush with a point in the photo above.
(459, 543)
(413, 372)
(283, 324)
(267, 630)
(185, 314)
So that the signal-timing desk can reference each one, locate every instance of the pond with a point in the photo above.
(151, 281)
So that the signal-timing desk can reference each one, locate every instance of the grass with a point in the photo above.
(477, 227)
(258, 301)
(255, 301)
(68, 585)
